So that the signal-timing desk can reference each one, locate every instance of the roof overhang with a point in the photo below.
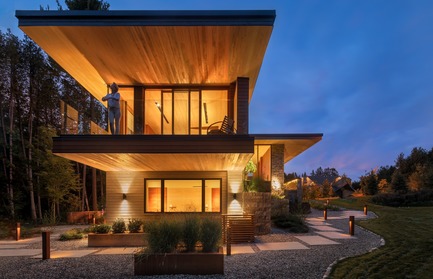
(157, 153)
(152, 47)
(294, 144)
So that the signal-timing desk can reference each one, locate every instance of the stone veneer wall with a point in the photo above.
(277, 165)
(259, 204)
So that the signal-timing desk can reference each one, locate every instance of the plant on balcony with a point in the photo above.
(134, 225)
(119, 226)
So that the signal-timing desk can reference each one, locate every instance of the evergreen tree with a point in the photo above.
(398, 183)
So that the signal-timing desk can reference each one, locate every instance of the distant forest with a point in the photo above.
(412, 173)
(35, 184)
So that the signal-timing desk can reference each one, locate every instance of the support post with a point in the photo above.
(325, 213)
(229, 241)
(45, 245)
(352, 225)
(18, 232)
(365, 210)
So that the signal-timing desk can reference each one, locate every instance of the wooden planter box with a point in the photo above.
(117, 239)
(179, 263)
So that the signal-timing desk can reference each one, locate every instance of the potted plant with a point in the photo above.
(170, 249)
(134, 225)
(101, 236)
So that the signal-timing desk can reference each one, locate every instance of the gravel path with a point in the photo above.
(311, 263)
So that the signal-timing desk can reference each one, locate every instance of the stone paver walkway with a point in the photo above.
(323, 234)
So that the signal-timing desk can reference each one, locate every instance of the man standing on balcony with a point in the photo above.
(113, 108)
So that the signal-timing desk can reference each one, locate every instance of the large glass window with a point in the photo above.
(153, 196)
(184, 112)
(262, 159)
(183, 195)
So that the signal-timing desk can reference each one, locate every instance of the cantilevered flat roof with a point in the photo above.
(294, 144)
(152, 47)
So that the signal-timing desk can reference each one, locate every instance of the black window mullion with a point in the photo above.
(203, 197)
(162, 195)
(162, 112)
(172, 112)
(199, 112)
(189, 112)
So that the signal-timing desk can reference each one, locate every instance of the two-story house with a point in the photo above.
(181, 73)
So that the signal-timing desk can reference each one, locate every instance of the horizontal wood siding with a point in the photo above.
(132, 184)
(242, 91)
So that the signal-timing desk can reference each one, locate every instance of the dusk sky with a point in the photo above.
(360, 72)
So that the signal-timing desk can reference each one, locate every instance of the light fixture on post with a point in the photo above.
(351, 225)
(124, 196)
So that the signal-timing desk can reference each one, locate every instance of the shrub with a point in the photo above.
(191, 232)
(134, 225)
(321, 205)
(292, 222)
(163, 235)
(119, 226)
(102, 228)
(210, 234)
(420, 198)
(71, 234)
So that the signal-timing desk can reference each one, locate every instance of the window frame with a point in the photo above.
(203, 196)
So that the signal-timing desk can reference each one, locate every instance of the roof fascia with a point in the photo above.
(147, 18)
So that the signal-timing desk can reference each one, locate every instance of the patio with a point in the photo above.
(277, 254)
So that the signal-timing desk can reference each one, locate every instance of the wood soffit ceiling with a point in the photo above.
(152, 48)
(162, 162)
(294, 144)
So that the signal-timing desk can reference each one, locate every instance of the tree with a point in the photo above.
(97, 5)
(57, 176)
(398, 183)
(326, 189)
(369, 183)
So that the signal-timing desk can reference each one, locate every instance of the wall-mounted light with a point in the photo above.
(124, 196)
(234, 196)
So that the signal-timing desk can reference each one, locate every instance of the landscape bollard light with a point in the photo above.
(325, 213)
(229, 241)
(352, 225)
(45, 245)
(18, 232)
(365, 209)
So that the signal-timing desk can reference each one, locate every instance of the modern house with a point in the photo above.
(181, 73)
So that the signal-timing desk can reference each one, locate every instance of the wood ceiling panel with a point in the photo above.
(161, 162)
(134, 55)
(292, 146)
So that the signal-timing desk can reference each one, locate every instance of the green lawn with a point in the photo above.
(408, 252)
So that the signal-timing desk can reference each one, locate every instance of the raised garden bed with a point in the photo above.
(117, 239)
(179, 263)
